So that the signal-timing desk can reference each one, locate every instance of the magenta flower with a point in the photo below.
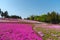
(16, 31)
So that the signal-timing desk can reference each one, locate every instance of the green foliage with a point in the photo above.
(43, 18)
(48, 33)
(14, 16)
(5, 15)
(52, 17)
(36, 18)
(32, 17)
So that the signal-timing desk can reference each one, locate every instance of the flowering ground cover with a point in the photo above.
(48, 31)
(17, 31)
(22, 30)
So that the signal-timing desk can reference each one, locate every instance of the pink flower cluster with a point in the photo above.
(17, 31)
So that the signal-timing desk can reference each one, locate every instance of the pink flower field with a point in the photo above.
(49, 26)
(17, 31)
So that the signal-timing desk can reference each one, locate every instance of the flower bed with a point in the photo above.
(16, 31)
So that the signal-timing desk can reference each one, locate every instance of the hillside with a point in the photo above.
(44, 30)
(11, 29)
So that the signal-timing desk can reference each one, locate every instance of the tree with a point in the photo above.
(57, 18)
(52, 17)
(6, 14)
(32, 17)
(36, 18)
(48, 19)
(27, 18)
(43, 18)
(2, 14)
(0, 11)
(15, 17)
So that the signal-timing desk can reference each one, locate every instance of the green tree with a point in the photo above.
(2, 14)
(0, 11)
(53, 17)
(57, 18)
(36, 18)
(27, 18)
(6, 14)
(15, 17)
(32, 17)
(48, 18)
(43, 18)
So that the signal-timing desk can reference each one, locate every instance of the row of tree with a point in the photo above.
(52, 17)
(5, 15)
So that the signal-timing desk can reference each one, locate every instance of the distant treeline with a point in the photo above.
(5, 15)
(50, 17)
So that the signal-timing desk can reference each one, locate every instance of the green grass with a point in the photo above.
(48, 33)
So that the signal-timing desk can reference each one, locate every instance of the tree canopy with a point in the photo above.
(5, 15)
(52, 17)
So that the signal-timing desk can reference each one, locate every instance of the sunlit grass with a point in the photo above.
(49, 34)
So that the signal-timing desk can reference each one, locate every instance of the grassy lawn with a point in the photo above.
(49, 34)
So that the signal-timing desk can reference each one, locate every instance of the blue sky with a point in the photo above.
(26, 8)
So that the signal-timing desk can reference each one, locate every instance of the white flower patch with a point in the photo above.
(41, 34)
(54, 35)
